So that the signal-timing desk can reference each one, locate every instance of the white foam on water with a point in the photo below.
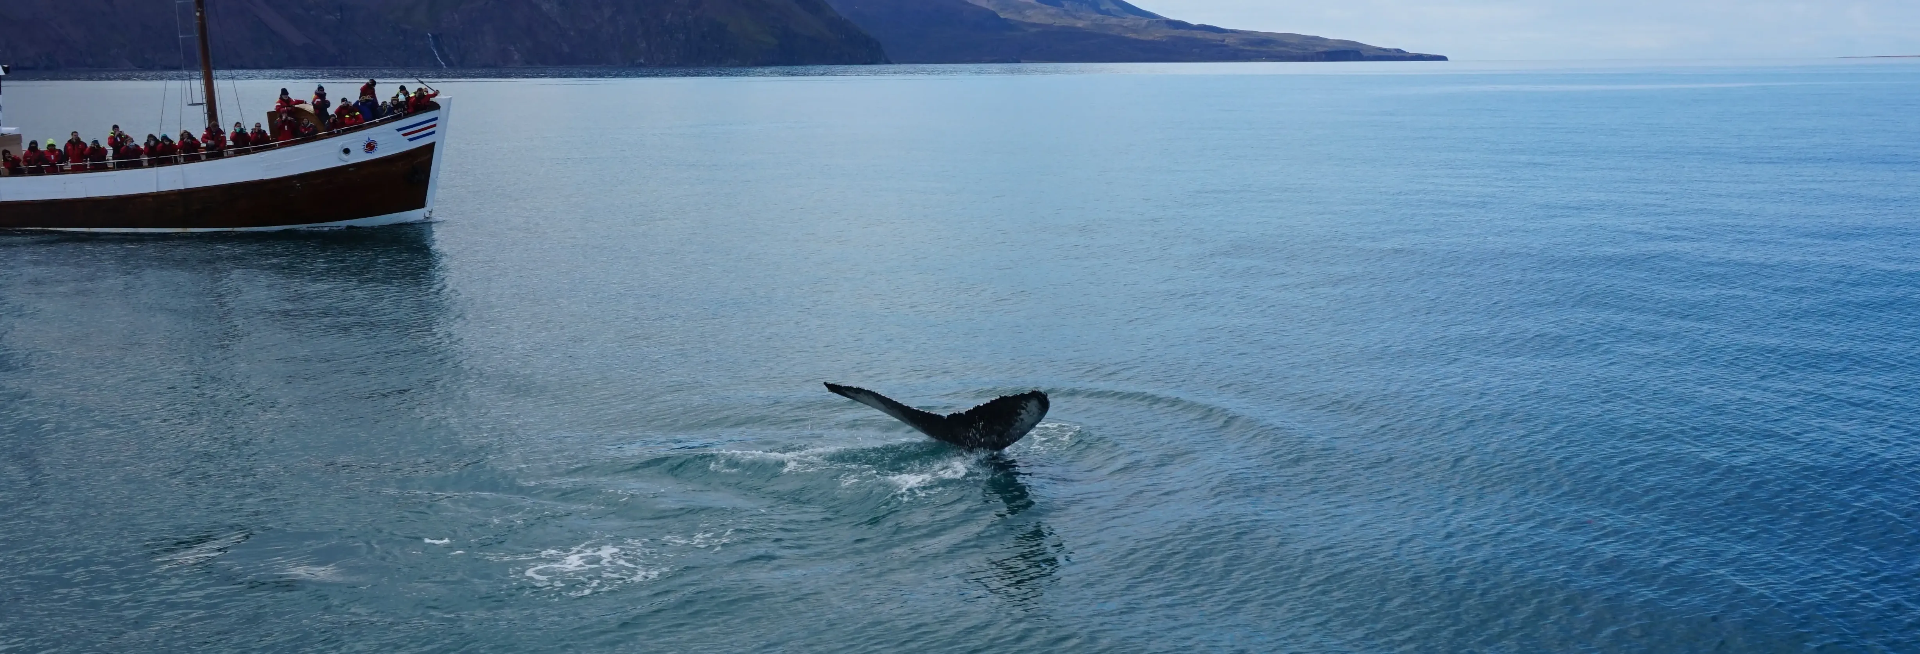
(1049, 437)
(592, 568)
(801, 461)
(442, 541)
(913, 481)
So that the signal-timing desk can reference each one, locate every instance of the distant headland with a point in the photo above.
(1080, 31)
(106, 34)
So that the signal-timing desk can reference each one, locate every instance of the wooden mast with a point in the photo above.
(206, 63)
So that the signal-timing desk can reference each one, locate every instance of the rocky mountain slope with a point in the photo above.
(957, 31)
(54, 34)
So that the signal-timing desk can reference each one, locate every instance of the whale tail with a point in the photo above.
(995, 425)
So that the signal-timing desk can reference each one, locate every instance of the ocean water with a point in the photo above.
(1343, 358)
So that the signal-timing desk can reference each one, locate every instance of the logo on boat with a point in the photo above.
(370, 146)
(419, 130)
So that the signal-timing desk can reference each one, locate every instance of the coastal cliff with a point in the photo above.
(981, 31)
(56, 34)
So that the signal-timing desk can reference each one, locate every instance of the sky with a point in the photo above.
(1581, 29)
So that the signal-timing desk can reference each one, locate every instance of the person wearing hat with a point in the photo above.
(129, 155)
(96, 156)
(33, 160)
(321, 104)
(189, 146)
(285, 102)
(169, 151)
(56, 160)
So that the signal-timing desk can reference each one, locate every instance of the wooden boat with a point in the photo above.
(381, 172)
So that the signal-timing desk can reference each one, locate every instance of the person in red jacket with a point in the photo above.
(76, 149)
(56, 160)
(33, 160)
(241, 139)
(367, 90)
(96, 157)
(117, 139)
(284, 128)
(260, 136)
(189, 146)
(421, 100)
(130, 156)
(285, 102)
(215, 141)
(10, 165)
(159, 151)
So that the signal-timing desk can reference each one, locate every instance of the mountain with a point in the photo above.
(51, 34)
(978, 31)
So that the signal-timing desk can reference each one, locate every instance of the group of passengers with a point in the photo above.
(122, 151)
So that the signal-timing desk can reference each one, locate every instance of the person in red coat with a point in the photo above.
(421, 100)
(129, 156)
(189, 146)
(285, 129)
(285, 102)
(260, 136)
(56, 160)
(367, 90)
(96, 157)
(76, 149)
(157, 151)
(215, 141)
(33, 160)
(241, 139)
(10, 165)
(117, 139)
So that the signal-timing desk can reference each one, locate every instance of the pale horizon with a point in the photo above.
(1561, 29)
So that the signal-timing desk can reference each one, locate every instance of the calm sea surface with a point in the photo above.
(1344, 358)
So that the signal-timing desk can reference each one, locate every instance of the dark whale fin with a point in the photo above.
(991, 426)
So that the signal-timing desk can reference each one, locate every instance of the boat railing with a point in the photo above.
(228, 153)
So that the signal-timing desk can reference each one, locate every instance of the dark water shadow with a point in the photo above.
(1022, 569)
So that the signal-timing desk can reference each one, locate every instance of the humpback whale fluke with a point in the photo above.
(991, 426)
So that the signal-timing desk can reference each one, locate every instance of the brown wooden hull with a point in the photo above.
(385, 186)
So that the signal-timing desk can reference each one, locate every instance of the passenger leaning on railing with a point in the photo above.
(241, 139)
(421, 100)
(56, 160)
(215, 141)
(32, 159)
(96, 156)
(76, 151)
(189, 147)
(130, 156)
(10, 165)
(260, 136)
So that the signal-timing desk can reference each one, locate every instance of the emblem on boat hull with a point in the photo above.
(370, 146)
